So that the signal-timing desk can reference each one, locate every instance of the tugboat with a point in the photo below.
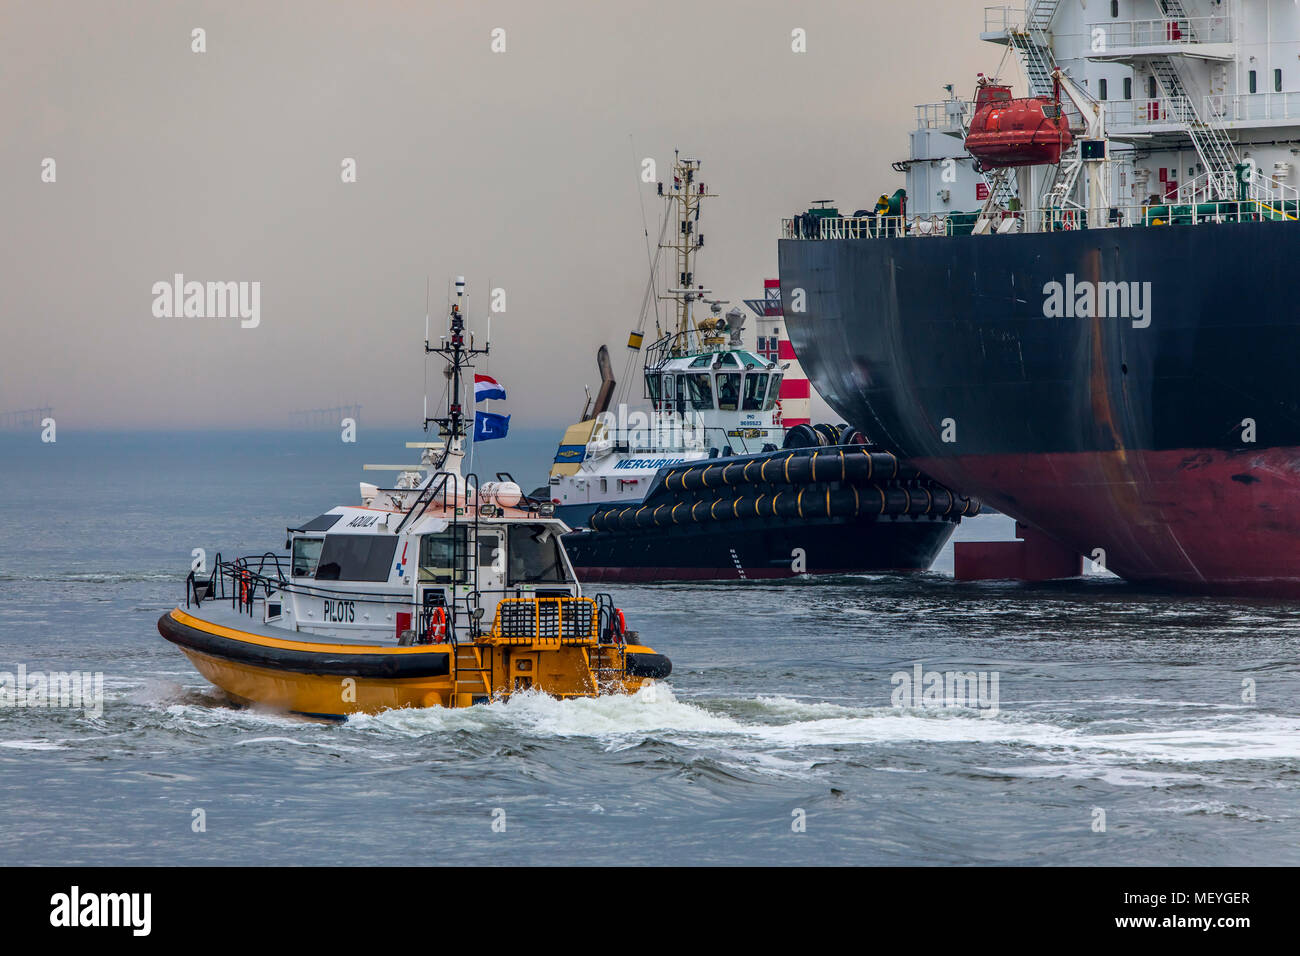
(439, 591)
(708, 484)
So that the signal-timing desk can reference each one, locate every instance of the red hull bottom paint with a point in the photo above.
(1207, 520)
(666, 575)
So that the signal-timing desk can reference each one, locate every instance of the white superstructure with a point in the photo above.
(1198, 102)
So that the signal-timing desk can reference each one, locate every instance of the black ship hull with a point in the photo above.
(1164, 439)
(827, 510)
(764, 549)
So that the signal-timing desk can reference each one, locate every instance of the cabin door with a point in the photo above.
(491, 572)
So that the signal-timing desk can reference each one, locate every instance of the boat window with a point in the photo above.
(306, 555)
(755, 389)
(727, 359)
(728, 390)
(701, 390)
(356, 557)
(773, 392)
(653, 384)
(534, 555)
(444, 557)
(489, 551)
(702, 361)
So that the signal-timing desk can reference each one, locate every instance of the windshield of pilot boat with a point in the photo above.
(535, 556)
(356, 557)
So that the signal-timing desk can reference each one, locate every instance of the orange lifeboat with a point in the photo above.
(1032, 131)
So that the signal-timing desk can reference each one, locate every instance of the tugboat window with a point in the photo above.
(444, 557)
(755, 389)
(534, 555)
(356, 557)
(306, 555)
(653, 386)
(773, 392)
(701, 390)
(728, 390)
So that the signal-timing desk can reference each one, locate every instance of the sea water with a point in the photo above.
(806, 721)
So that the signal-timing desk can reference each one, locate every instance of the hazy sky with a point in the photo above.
(513, 167)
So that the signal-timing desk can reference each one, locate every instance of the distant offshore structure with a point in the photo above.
(25, 418)
(322, 418)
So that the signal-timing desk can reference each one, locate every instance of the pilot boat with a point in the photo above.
(439, 591)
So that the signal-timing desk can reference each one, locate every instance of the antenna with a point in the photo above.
(687, 194)
(458, 353)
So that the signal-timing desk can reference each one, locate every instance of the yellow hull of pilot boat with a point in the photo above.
(322, 679)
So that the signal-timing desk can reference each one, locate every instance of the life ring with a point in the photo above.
(620, 626)
(243, 586)
(437, 632)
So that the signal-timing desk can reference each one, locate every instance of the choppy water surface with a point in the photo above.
(1109, 699)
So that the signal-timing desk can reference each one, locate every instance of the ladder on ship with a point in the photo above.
(471, 676)
(607, 662)
(1060, 187)
(1213, 147)
(1035, 46)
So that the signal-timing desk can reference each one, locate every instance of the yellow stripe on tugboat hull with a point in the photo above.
(335, 680)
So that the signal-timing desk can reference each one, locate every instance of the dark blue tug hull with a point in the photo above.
(825, 510)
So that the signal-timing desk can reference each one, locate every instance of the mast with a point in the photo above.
(458, 353)
(688, 196)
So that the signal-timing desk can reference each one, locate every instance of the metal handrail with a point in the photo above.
(589, 635)
(1259, 206)
(427, 494)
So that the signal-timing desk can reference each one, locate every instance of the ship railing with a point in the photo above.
(243, 581)
(1254, 184)
(1252, 107)
(1110, 36)
(546, 622)
(943, 116)
(1171, 111)
(1004, 18)
(1172, 212)
(864, 227)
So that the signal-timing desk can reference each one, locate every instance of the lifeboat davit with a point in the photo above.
(1031, 131)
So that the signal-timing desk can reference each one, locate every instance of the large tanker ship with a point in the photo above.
(1082, 309)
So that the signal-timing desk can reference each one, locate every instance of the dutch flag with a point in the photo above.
(486, 387)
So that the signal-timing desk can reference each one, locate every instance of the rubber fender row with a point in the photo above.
(851, 463)
(851, 501)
